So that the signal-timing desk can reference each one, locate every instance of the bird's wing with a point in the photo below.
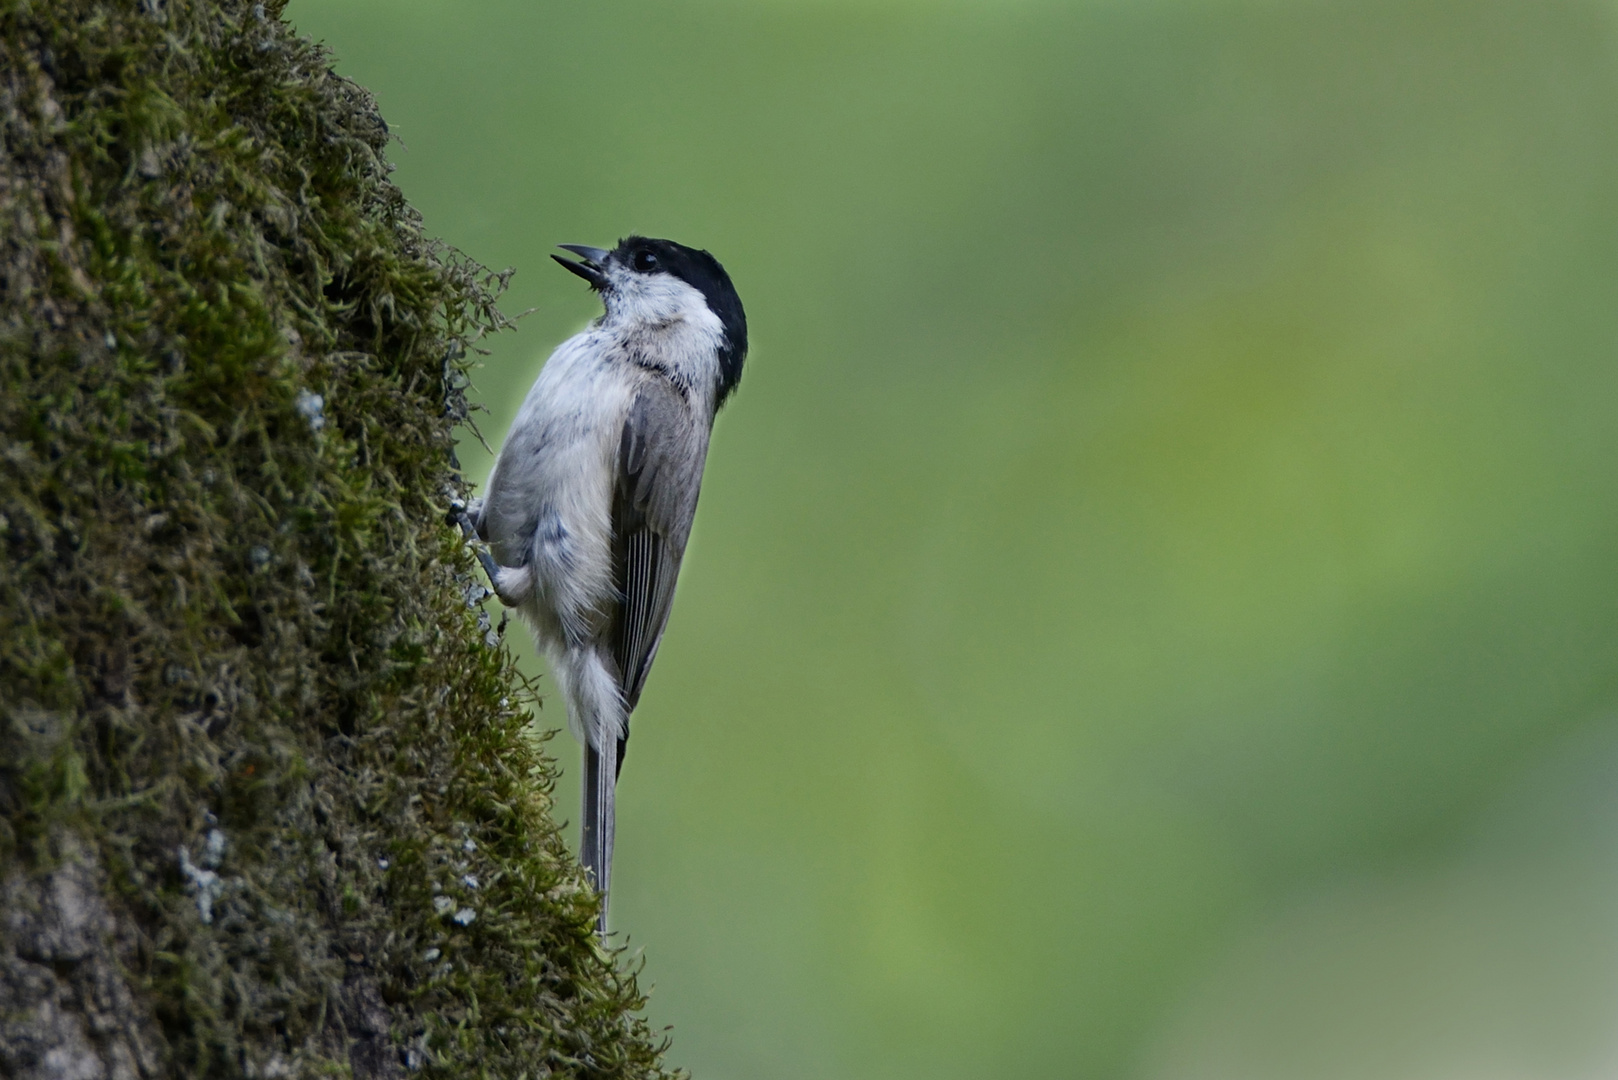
(507, 514)
(660, 459)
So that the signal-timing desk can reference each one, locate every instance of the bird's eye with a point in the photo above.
(644, 261)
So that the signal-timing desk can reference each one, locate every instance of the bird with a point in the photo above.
(588, 509)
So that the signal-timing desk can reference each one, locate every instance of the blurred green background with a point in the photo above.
(1154, 607)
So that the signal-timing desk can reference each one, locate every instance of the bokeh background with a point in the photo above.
(1154, 606)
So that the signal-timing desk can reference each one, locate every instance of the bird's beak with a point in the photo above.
(591, 268)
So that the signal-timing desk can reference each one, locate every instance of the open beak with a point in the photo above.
(590, 269)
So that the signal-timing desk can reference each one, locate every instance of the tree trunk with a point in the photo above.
(270, 800)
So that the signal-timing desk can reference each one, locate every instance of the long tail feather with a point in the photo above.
(595, 847)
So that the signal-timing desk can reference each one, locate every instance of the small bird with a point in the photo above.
(590, 503)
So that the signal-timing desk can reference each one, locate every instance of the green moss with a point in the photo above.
(223, 609)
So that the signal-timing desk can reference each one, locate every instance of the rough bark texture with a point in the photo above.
(270, 799)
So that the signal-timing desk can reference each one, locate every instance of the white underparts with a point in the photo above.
(515, 585)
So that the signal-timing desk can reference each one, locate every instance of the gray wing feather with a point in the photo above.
(660, 459)
(511, 503)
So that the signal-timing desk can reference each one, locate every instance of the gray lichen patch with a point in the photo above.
(67, 1006)
(253, 722)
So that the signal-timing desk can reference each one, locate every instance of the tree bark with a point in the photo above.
(271, 801)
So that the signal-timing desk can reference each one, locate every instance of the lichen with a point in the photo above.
(241, 664)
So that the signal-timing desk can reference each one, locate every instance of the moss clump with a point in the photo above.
(248, 692)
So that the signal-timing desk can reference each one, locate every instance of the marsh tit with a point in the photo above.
(589, 506)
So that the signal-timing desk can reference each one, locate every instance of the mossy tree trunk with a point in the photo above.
(269, 801)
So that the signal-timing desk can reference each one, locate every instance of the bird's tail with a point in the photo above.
(595, 846)
(595, 711)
